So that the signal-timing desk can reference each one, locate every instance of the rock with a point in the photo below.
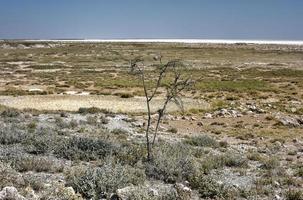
(193, 119)
(10, 193)
(208, 116)
(169, 117)
(277, 197)
(254, 109)
(293, 110)
(289, 121)
(227, 113)
(277, 144)
(153, 192)
(276, 183)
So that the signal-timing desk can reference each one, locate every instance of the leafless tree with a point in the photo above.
(168, 76)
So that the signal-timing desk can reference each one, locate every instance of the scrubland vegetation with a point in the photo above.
(245, 144)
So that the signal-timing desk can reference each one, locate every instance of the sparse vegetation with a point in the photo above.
(202, 141)
(232, 141)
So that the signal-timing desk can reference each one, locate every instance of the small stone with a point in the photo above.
(153, 192)
(276, 183)
(277, 197)
(278, 144)
(10, 193)
(293, 110)
(208, 116)
(193, 119)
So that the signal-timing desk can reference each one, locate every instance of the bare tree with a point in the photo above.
(167, 76)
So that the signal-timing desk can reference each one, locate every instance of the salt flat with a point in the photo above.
(189, 41)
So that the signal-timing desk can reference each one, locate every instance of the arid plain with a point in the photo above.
(73, 122)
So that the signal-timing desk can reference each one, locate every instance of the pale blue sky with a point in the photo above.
(200, 19)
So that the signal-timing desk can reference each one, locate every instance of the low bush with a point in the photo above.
(170, 163)
(97, 183)
(270, 163)
(208, 188)
(92, 120)
(202, 141)
(91, 110)
(37, 164)
(225, 160)
(11, 135)
(104, 120)
(231, 159)
(82, 148)
(58, 191)
(130, 154)
(294, 195)
(9, 177)
(10, 112)
(38, 144)
(300, 172)
(254, 156)
(173, 130)
(125, 95)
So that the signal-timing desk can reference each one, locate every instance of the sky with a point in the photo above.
(169, 19)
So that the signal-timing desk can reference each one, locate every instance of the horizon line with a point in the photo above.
(164, 40)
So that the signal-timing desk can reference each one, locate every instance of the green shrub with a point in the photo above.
(254, 156)
(11, 135)
(271, 163)
(218, 161)
(92, 120)
(58, 191)
(170, 163)
(9, 177)
(173, 130)
(93, 183)
(91, 110)
(294, 195)
(61, 123)
(130, 154)
(300, 172)
(234, 160)
(126, 95)
(104, 120)
(37, 164)
(119, 131)
(207, 188)
(35, 183)
(32, 125)
(38, 144)
(82, 148)
(202, 141)
(10, 112)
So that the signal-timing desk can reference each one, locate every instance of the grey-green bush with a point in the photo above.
(170, 163)
(96, 183)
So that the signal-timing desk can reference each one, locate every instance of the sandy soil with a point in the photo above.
(74, 102)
